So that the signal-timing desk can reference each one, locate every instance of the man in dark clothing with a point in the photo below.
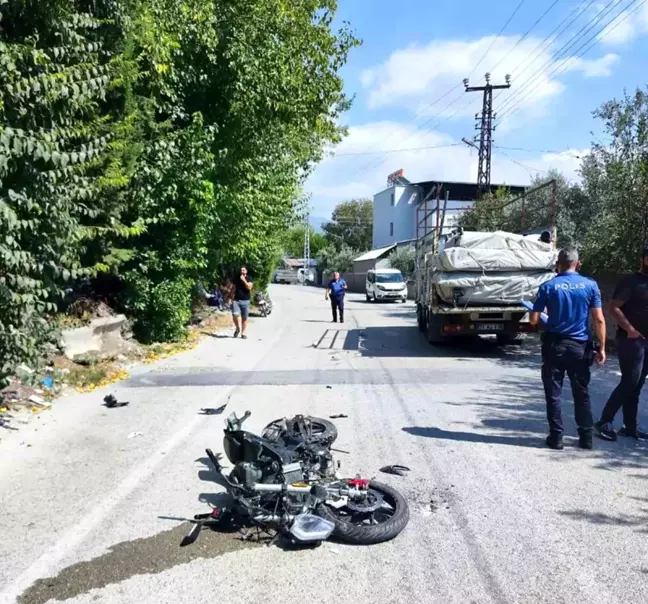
(335, 290)
(240, 298)
(629, 307)
(569, 300)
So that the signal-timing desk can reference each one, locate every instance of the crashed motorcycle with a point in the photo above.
(288, 483)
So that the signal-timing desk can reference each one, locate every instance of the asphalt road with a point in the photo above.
(90, 515)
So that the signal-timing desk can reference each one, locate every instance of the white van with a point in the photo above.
(385, 284)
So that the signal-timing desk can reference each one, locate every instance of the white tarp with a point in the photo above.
(493, 288)
(498, 240)
(498, 260)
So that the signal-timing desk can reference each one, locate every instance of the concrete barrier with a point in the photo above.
(101, 338)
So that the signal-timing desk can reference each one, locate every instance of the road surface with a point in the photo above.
(90, 515)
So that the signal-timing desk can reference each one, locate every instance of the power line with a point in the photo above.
(370, 166)
(397, 150)
(589, 43)
(524, 36)
(566, 23)
(501, 31)
(561, 52)
(529, 169)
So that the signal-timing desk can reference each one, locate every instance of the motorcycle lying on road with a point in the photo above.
(287, 481)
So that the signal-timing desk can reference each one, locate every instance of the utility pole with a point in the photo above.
(485, 126)
(307, 248)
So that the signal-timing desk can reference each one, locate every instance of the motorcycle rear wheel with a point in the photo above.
(369, 529)
(323, 431)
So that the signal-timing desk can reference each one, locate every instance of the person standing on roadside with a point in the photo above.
(569, 300)
(240, 297)
(629, 308)
(335, 291)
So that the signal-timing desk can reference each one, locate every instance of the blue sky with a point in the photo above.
(415, 51)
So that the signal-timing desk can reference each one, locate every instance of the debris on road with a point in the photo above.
(212, 411)
(135, 434)
(329, 387)
(339, 416)
(112, 403)
(395, 470)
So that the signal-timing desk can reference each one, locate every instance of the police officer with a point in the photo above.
(569, 300)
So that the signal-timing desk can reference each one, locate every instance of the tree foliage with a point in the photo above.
(293, 242)
(351, 225)
(404, 260)
(333, 259)
(161, 142)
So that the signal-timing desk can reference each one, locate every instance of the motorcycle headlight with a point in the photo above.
(307, 528)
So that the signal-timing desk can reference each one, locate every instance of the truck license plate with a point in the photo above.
(490, 326)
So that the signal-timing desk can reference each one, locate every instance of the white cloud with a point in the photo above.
(629, 25)
(595, 68)
(415, 76)
(346, 176)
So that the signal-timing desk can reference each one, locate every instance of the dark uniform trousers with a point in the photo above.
(337, 304)
(562, 355)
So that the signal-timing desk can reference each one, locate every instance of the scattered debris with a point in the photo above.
(212, 411)
(112, 403)
(23, 369)
(395, 470)
(39, 400)
(48, 382)
(340, 451)
(329, 387)
(338, 416)
(135, 434)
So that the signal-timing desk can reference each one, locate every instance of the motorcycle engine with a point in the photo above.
(321, 464)
(247, 474)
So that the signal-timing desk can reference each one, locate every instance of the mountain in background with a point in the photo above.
(317, 222)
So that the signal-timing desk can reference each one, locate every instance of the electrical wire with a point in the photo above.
(565, 23)
(606, 30)
(524, 36)
(560, 53)
(363, 170)
(384, 151)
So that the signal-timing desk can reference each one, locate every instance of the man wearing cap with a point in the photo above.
(569, 300)
(629, 307)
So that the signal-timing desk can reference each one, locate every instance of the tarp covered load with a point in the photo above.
(466, 259)
(498, 240)
(493, 288)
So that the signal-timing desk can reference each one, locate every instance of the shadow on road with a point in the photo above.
(475, 437)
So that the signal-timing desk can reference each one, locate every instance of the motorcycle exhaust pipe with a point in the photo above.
(280, 488)
(269, 518)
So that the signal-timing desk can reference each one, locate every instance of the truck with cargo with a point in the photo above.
(471, 283)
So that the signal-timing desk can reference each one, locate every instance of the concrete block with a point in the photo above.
(102, 336)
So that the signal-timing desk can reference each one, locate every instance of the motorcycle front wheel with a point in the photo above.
(321, 431)
(370, 526)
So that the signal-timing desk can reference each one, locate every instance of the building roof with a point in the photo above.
(375, 254)
(462, 191)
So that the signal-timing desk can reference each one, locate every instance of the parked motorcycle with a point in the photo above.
(263, 302)
(289, 483)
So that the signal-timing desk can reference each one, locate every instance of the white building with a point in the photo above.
(398, 213)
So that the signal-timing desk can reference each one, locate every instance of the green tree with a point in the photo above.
(404, 260)
(333, 259)
(293, 243)
(615, 180)
(351, 225)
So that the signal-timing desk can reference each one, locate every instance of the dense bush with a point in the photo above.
(161, 142)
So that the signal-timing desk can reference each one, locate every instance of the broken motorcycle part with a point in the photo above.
(112, 403)
(395, 469)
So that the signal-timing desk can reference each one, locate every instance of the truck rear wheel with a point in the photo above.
(435, 330)
(420, 318)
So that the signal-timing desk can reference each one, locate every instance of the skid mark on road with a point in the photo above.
(151, 555)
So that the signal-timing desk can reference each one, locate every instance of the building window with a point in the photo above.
(393, 198)
(391, 229)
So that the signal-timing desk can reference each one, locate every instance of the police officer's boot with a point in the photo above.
(555, 441)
